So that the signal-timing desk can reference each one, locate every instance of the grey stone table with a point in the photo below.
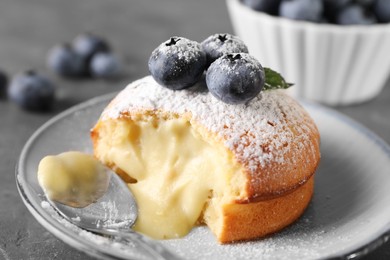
(28, 29)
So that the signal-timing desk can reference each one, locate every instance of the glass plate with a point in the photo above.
(348, 216)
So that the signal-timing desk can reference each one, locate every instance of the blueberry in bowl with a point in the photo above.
(337, 56)
(355, 14)
(267, 6)
(382, 10)
(325, 11)
(307, 10)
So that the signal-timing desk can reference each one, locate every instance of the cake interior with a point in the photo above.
(179, 173)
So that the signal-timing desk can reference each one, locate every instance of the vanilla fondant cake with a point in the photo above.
(244, 170)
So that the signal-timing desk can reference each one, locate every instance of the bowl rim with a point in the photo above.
(299, 24)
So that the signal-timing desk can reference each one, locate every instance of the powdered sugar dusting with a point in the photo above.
(184, 49)
(302, 241)
(258, 132)
(305, 239)
(252, 64)
(230, 44)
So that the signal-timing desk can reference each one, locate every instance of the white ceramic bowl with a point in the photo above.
(331, 64)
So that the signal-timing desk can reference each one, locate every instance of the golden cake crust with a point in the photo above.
(240, 222)
(272, 137)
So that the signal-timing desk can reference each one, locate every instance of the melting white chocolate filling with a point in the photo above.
(72, 178)
(176, 171)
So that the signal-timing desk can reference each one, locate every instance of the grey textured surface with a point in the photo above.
(28, 29)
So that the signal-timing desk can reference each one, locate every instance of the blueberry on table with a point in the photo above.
(32, 91)
(104, 65)
(381, 9)
(355, 14)
(3, 83)
(177, 63)
(306, 10)
(63, 60)
(235, 78)
(266, 6)
(88, 44)
(218, 44)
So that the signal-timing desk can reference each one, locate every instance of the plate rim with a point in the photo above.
(381, 144)
(357, 252)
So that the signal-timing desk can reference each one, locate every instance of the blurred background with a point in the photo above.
(30, 29)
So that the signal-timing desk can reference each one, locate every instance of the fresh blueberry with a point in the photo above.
(307, 10)
(88, 44)
(235, 78)
(63, 60)
(218, 44)
(177, 63)
(381, 9)
(32, 91)
(355, 14)
(3, 84)
(266, 6)
(105, 65)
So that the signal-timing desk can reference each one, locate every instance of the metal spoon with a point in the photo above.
(113, 214)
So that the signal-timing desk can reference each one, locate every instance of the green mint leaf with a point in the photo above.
(273, 80)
